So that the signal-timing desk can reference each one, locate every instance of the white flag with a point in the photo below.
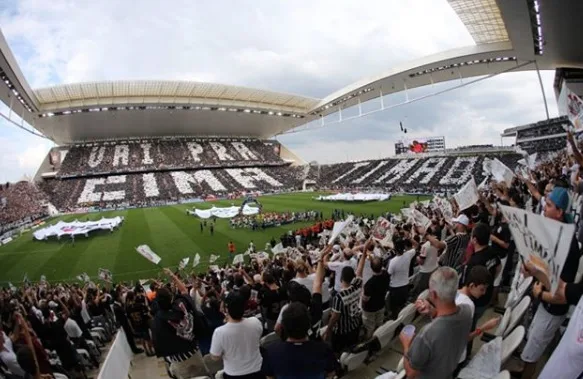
(183, 263)
(383, 232)
(84, 277)
(12, 287)
(147, 253)
(541, 240)
(196, 260)
(43, 279)
(467, 196)
(213, 258)
(144, 281)
(104, 275)
(501, 172)
(406, 212)
(421, 219)
(238, 259)
(278, 249)
(338, 228)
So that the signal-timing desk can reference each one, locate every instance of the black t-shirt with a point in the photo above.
(501, 231)
(376, 288)
(271, 302)
(573, 292)
(138, 315)
(568, 276)
(488, 258)
(309, 359)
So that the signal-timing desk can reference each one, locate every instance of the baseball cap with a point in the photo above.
(560, 198)
(462, 219)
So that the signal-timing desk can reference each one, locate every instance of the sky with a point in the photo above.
(306, 47)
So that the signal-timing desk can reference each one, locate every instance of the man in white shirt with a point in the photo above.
(399, 272)
(337, 266)
(427, 261)
(237, 342)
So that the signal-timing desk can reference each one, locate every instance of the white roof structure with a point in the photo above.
(509, 35)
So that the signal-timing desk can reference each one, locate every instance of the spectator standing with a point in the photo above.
(427, 261)
(237, 342)
(298, 356)
(399, 272)
(500, 239)
(346, 316)
(483, 256)
(549, 317)
(436, 350)
(174, 331)
(373, 299)
(456, 245)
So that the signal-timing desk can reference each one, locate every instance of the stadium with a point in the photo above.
(170, 158)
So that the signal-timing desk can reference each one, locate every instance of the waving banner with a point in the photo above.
(445, 207)
(104, 275)
(196, 260)
(338, 228)
(540, 240)
(571, 105)
(239, 258)
(383, 232)
(501, 172)
(213, 258)
(421, 219)
(147, 253)
(467, 196)
(183, 263)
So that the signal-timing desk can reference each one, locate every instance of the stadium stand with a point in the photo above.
(20, 203)
(422, 175)
(115, 157)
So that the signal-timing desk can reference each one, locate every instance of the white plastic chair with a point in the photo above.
(511, 342)
(386, 332)
(269, 339)
(503, 375)
(401, 364)
(58, 375)
(352, 361)
(503, 323)
(407, 314)
(517, 313)
(219, 375)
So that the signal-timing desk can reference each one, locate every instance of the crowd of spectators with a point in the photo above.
(20, 203)
(541, 131)
(271, 219)
(543, 145)
(103, 158)
(314, 299)
(443, 174)
(157, 188)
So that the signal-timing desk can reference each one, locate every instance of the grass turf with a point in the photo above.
(168, 230)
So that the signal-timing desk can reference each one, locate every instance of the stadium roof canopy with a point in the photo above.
(509, 35)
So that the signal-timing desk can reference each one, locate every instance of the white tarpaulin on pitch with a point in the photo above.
(355, 197)
(541, 240)
(74, 228)
(226, 212)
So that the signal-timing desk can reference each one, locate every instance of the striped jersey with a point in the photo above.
(346, 302)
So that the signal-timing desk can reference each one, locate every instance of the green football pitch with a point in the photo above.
(168, 230)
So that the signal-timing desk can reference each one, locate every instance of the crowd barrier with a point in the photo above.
(118, 360)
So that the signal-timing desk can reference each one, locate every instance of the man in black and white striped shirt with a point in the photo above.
(455, 246)
(346, 317)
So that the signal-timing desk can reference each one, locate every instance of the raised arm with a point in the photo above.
(177, 282)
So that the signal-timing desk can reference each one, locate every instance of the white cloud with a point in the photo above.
(310, 47)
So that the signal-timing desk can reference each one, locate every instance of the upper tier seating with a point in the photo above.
(102, 158)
